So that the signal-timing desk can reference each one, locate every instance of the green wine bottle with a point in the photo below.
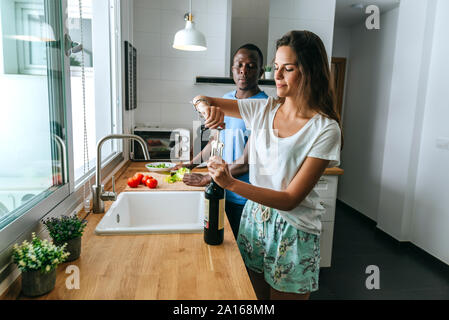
(214, 214)
(214, 207)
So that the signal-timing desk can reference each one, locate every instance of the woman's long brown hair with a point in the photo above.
(316, 88)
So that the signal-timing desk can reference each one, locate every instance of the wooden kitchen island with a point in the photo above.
(153, 266)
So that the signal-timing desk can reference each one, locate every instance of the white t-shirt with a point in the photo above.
(274, 161)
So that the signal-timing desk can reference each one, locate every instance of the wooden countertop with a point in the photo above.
(157, 266)
(335, 171)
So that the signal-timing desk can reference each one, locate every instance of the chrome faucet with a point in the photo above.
(98, 193)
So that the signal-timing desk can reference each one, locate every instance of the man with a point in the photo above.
(247, 68)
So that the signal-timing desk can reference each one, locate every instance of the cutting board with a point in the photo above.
(163, 185)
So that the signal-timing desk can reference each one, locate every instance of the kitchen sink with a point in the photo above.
(154, 212)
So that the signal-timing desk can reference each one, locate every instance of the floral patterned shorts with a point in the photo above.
(289, 258)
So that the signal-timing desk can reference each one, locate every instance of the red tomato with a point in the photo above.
(138, 177)
(133, 183)
(151, 183)
(145, 178)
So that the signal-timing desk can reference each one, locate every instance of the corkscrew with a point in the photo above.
(217, 145)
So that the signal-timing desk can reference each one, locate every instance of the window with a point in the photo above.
(42, 108)
(99, 99)
(33, 162)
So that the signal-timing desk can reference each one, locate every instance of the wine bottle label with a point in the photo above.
(206, 213)
(221, 214)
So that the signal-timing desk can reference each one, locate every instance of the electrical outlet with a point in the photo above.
(443, 143)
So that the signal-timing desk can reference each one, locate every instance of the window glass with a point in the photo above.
(32, 122)
(92, 97)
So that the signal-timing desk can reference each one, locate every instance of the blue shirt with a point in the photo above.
(235, 136)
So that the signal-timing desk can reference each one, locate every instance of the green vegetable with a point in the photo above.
(161, 165)
(177, 176)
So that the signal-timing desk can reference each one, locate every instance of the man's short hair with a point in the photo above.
(251, 47)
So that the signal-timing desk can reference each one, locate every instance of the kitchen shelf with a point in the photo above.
(226, 80)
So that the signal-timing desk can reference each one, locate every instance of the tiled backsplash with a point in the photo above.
(166, 77)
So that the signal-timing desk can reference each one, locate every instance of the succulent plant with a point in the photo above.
(38, 254)
(65, 228)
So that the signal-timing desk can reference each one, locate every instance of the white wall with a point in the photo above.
(342, 42)
(250, 24)
(369, 74)
(406, 105)
(311, 15)
(166, 76)
(396, 110)
(430, 222)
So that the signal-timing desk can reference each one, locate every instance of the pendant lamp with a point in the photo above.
(189, 39)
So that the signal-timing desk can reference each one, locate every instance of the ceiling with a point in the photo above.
(346, 16)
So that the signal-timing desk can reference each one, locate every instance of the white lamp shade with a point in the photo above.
(189, 39)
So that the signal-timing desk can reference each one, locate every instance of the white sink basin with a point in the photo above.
(154, 212)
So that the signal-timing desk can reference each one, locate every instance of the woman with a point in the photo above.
(295, 137)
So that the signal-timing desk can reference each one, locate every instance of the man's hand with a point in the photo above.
(196, 179)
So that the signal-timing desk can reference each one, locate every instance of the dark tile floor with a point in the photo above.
(406, 272)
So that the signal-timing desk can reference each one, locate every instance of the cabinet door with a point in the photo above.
(326, 187)
(327, 233)
(329, 205)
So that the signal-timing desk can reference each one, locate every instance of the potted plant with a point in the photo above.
(38, 260)
(268, 71)
(67, 229)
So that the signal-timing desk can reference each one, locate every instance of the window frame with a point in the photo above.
(24, 54)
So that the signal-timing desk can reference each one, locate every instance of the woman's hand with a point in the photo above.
(214, 116)
(196, 179)
(219, 171)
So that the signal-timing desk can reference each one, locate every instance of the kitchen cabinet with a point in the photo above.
(326, 188)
